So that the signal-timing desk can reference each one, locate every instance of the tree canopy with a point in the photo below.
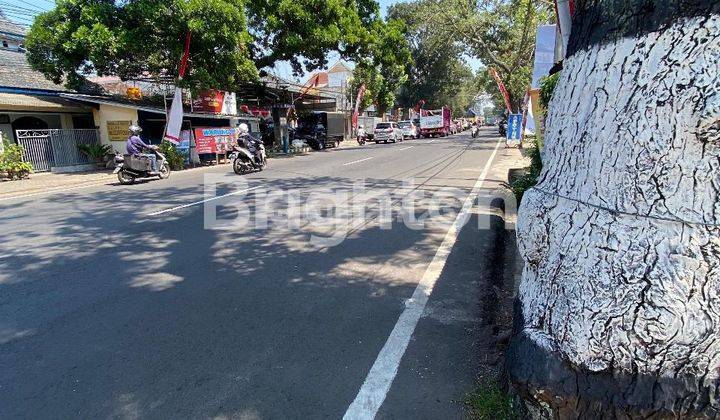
(437, 74)
(381, 67)
(500, 33)
(232, 40)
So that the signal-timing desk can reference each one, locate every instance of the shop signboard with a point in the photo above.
(118, 130)
(214, 140)
(216, 102)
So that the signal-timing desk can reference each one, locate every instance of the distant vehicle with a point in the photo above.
(321, 129)
(387, 131)
(409, 130)
(436, 123)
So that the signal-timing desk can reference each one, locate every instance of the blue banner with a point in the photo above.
(514, 128)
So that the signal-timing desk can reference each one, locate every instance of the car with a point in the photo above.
(387, 131)
(409, 130)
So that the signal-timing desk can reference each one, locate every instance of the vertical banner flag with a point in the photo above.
(502, 88)
(356, 113)
(564, 11)
(174, 118)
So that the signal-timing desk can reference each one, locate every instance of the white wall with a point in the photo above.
(112, 113)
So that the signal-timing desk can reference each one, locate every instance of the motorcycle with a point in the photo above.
(502, 127)
(474, 131)
(361, 139)
(244, 161)
(130, 168)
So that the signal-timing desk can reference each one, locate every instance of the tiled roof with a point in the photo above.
(10, 27)
(15, 72)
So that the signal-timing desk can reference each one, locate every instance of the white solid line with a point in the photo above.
(405, 148)
(358, 161)
(383, 371)
(155, 213)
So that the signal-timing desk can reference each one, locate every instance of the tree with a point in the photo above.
(141, 38)
(618, 306)
(381, 65)
(303, 32)
(436, 74)
(231, 39)
(501, 33)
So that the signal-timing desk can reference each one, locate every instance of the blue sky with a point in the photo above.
(22, 11)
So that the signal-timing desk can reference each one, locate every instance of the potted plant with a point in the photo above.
(96, 152)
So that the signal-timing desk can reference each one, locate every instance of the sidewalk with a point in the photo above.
(47, 182)
(458, 344)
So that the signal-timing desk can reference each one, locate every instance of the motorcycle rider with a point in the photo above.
(245, 139)
(361, 134)
(135, 146)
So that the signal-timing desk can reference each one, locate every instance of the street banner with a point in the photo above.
(215, 102)
(564, 11)
(514, 129)
(356, 113)
(174, 119)
(214, 140)
(502, 88)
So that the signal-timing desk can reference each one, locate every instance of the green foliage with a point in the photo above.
(501, 33)
(174, 157)
(547, 87)
(11, 162)
(382, 69)
(489, 402)
(529, 179)
(436, 74)
(95, 150)
(231, 39)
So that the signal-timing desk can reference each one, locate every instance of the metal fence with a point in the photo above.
(45, 149)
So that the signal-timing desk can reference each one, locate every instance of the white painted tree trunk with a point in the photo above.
(620, 297)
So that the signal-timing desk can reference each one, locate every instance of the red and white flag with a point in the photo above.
(175, 117)
(502, 88)
(356, 113)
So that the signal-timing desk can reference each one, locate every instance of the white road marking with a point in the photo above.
(2, 257)
(358, 161)
(430, 141)
(184, 206)
(382, 373)
(405, 148)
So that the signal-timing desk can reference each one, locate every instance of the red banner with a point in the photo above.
(356, 114)
(502, 88)
(213, 140)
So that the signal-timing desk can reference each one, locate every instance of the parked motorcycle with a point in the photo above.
(244, 161)
(130, 168)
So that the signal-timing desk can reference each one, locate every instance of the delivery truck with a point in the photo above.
(435, 122)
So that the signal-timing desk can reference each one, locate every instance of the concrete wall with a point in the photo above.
(113, 113)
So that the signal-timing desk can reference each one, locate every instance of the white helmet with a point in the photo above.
(135, 129)
(243, 128)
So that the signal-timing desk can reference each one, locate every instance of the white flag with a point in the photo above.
(174, 119)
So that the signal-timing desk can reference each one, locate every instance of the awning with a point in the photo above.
(18, 102)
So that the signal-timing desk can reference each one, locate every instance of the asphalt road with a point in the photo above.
(127, 302)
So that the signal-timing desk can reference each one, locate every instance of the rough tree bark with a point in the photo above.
(618, 314)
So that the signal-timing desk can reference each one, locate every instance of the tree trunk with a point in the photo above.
(618, 313)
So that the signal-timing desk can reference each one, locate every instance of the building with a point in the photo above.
(12, 35)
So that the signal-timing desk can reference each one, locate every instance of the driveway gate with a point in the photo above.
(45, 149)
